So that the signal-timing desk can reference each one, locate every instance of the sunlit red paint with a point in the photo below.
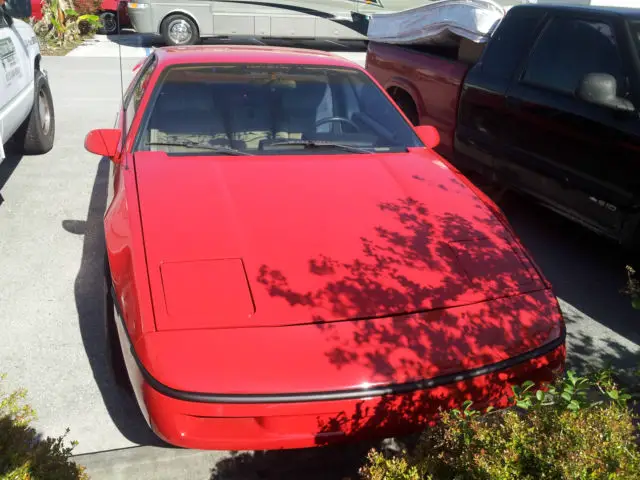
(283, 276)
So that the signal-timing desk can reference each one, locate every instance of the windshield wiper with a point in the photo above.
(320, 144)
(192, 144)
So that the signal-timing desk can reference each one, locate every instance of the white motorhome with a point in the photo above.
(26, 106)
(185, 22)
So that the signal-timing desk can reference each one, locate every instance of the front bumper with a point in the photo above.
(185, 416)
(291, 424)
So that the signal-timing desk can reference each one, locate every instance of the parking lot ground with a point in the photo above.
(53, 341)
(50, 302)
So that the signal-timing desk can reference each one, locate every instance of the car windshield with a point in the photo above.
(271, 110)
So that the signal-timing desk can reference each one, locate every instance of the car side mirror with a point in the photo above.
(429, 135)
(103, 141)
(18, 8)
(602, 89)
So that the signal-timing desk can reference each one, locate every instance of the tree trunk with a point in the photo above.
(66, 4)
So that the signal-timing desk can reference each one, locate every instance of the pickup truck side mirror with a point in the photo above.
(103, 142)
(18, 8)
(429, 135)
(601, 89)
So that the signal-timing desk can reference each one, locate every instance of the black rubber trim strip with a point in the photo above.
(350, 394)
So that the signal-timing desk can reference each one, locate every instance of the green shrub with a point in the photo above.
(580, 428)
(63, 28)
(632, 288)
(24, 454)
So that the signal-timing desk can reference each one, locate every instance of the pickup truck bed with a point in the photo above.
(424, 82)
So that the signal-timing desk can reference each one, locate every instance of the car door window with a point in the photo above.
(568, 50)
(134, 96)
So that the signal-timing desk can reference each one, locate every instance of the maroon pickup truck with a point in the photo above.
(549, 106)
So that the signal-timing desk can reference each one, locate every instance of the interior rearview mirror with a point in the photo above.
(103, 142)
(602, 89)
(429, 135)
(18, 8)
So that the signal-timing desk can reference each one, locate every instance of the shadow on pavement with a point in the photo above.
(90, 304)
(586, 271)
(129, 38)
(338, 462)
(7, 167)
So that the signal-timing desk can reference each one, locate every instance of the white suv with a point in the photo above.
(26, 106)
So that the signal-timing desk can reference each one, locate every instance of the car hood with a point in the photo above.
(287, 240)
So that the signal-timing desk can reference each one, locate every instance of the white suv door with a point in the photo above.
(16, 82)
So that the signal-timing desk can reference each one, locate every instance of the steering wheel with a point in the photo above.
(322, 121)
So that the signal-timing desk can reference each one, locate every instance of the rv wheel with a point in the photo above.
(179, 29)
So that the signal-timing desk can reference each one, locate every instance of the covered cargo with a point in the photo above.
(443, 23)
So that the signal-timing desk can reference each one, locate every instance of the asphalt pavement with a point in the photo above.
(53, 341)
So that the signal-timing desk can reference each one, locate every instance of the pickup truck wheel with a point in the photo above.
(38, 131)
(406, 104)
(179, 29)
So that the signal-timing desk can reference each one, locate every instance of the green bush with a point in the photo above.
(580, 428)
(63, 28)
(632, 288)
(24, 454)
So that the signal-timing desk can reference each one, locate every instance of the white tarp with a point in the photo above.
(442, 23)
(595, 3)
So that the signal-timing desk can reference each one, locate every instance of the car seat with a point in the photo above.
(301, 107)
(186, 112)
(250, 115)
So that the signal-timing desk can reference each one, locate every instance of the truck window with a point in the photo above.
(510, 44)
(567, 50)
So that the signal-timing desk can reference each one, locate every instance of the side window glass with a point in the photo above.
(568, 50)
(510, 44)
(133, 102)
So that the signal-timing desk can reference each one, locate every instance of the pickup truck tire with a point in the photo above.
(406, 104)
(179, 29)
(35, 136)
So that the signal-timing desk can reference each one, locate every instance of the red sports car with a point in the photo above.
(289, 263)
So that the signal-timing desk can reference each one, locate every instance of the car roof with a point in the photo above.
(629, 12)
(249, 54)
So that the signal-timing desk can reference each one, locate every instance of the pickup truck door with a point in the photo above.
(14, 79)
(579, 158)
